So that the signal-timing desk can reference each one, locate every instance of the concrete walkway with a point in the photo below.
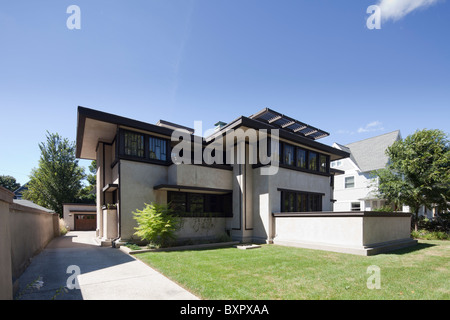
(103, 273)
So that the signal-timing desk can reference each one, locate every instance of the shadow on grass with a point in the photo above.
(417, 247)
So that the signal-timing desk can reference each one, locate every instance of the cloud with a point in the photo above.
(397, 9)
(371, 127)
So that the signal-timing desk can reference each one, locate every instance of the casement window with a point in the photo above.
(185, 204)
(134, 144)
(323, 163)
(143, 147)
(298, 201)
(157, 148)
(289, 154)
(349, 182)
(312, 161)
(301, 158)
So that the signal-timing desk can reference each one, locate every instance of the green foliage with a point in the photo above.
(57, 179)
(418, 173)
(9, 183)
(156, 224)
(429, 235)
(88, 194)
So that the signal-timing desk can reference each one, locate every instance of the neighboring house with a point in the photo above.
(135, 167)
(18, 192)
(356, 188)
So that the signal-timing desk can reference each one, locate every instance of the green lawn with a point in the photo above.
(277, 272)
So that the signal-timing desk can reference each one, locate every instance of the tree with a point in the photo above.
(9, 183)
(58, 178)
(418, 172)
(88, 194)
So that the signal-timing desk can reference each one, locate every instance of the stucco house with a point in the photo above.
(138, 163)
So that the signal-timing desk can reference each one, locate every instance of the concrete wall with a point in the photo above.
(137, 180)
(361, 233)
(24, 232)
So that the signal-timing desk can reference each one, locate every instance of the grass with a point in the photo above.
(277, 272)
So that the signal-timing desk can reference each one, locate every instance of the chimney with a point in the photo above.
(219, 125)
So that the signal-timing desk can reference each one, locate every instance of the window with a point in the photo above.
(302, 202)
(301, 158)
(134, 144)
(349, 182)
(356, 206)
(187, 204)
(157, 149)
(289, 154)
(323, 163)
(312, 161)
(289, 201)
(292, 201)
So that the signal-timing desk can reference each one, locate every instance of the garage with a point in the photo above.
(85, 222)
(80, 217)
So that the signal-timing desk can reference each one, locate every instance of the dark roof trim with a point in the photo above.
(255, 124)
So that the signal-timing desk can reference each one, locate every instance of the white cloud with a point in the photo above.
(372, 126)
(397, 9)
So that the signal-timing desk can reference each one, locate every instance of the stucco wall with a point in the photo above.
(137, 180)
(24, 232)
(358, 233)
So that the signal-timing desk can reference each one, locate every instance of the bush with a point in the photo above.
(430, 235)
(156, 224)
(62, 227)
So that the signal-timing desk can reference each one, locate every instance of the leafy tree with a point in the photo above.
(418, 172)
(156, 224)
(9, 183)
(58, 178)
(88, 193)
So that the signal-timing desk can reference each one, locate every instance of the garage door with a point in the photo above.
(85, 222)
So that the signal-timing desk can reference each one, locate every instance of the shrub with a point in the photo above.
(156, 224)
(62, 227)
(430, 235)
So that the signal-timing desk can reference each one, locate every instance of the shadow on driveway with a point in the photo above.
(76, 261)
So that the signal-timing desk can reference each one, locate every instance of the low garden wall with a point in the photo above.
(24, 232)
(363, 233)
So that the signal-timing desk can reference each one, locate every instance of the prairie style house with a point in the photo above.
(135, 166)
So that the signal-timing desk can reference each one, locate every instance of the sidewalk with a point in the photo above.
(104, 274)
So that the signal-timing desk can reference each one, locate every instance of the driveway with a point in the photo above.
(76, 261)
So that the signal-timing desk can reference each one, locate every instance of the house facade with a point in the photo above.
(264, 178)
(135, 167)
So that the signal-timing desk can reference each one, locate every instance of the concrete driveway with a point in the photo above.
(76, 261)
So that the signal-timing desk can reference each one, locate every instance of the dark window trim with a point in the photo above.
(296, 193)
(206, 213)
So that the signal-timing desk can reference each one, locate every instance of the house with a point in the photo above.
(80, 216)
(356, 188)
(268, 170)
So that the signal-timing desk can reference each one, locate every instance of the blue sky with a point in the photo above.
(211, 60)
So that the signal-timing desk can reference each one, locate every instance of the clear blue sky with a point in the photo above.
(211, 60)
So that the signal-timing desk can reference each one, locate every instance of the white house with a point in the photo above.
(355, 189)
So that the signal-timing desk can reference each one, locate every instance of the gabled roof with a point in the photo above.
(370, 154)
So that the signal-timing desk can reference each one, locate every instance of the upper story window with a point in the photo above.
(157, 148)
(349, 182)
(301, 158)
(312, 161)
(134, 144)
(289, 154)
(143, 147)
(323, 163)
